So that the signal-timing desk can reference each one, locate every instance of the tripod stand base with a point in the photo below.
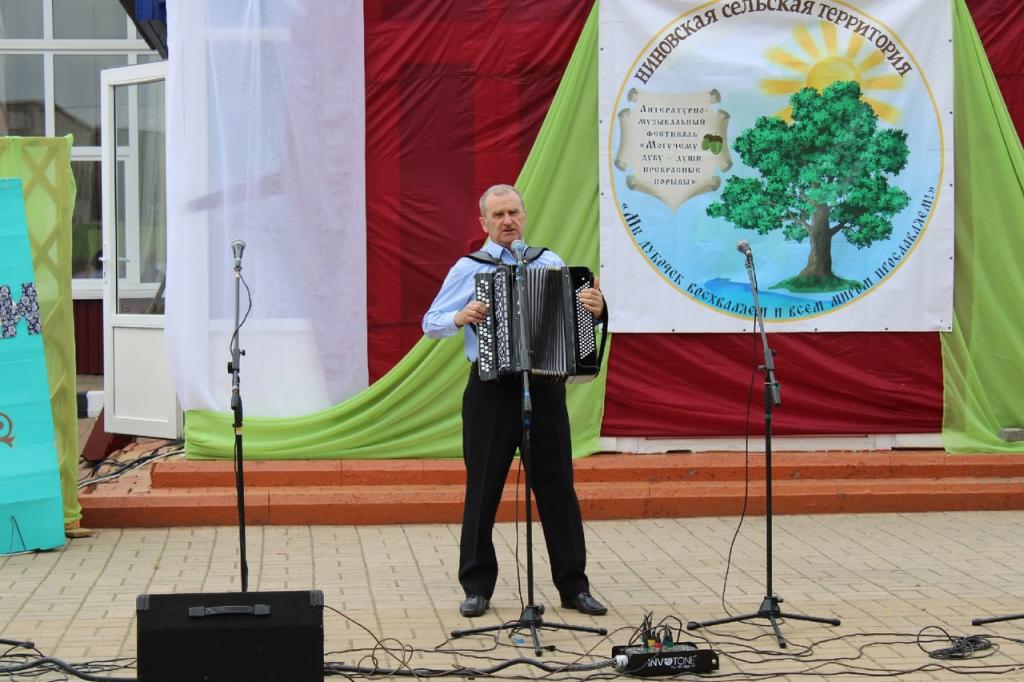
(996, 619)
(531, 620)
(770, 610)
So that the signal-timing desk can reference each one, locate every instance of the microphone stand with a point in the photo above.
(770, 604)
(236, 408)
(996, 619)
(17, 643)
(531, 617)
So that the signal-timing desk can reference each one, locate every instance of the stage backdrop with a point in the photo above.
(820, 133)
(658, 384)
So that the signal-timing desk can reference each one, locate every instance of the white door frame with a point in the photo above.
(134, 355)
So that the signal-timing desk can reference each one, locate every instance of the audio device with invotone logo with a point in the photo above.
(670, 659)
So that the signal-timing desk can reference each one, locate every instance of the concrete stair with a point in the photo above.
(609, 486)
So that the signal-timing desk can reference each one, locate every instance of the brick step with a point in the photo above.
(126, 504)
(703, 467)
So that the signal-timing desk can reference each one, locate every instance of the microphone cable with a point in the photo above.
(248, 296)
(746, 468)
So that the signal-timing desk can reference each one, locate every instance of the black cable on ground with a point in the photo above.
(35, 665)
(390, 657)
(122, 468)
(960, 647)
(547, 667)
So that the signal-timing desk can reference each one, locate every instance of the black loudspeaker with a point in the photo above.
(228, 636)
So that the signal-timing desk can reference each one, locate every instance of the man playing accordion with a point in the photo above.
(492, 426)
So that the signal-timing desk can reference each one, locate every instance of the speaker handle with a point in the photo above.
(254, 610)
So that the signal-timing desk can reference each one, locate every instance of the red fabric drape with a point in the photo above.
(1000, 24)
(698, 385)
(456, 92)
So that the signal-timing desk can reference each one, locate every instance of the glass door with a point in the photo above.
(139, 395)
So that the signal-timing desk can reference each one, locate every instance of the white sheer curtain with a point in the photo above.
(265, 143)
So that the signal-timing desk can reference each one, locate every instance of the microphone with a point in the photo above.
(743, 247)
(519, 249)
(237, 247)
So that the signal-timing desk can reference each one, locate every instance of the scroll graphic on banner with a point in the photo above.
(820, 132)
(662, 140)
(31, 510)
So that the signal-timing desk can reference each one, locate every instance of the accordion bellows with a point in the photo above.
(561, 331)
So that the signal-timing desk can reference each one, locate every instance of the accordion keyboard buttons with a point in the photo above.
(485, 331)
(585, 323)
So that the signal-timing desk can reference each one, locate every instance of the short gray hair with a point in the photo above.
(499, 190)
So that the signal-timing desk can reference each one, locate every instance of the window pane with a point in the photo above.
(21, 106)
(21, 19)
(86, 234)
(121, 255)
(142, 235)
(89, 19)
(152, 199)
(76, 89)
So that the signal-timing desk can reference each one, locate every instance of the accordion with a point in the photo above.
(562, 334)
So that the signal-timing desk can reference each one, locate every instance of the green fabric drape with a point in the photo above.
(983, 357)
(415, 409)
(44, 166)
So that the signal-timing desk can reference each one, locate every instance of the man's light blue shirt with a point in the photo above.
(459, 289)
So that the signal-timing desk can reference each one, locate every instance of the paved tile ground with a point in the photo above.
(886, 576)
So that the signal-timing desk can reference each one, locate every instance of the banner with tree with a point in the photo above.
(820, 133)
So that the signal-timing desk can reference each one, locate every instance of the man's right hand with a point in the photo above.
(473, 313)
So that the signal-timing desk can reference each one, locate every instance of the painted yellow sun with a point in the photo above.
(824, 62)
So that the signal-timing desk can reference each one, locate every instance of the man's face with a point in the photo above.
(504, 218)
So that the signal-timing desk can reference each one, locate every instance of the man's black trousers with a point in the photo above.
(491, 431)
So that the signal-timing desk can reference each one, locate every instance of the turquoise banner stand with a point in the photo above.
(31, 511)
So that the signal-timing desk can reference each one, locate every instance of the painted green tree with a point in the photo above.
(821, 175)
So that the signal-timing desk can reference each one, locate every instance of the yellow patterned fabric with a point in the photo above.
(44, 166)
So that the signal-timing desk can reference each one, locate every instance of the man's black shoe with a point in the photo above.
(585, 603)
(474, 605)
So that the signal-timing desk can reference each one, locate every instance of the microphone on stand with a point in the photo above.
(519, 312)
(743, 246)
(237, 247)
(519, 251)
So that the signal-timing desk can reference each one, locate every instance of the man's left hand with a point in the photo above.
(592, 299)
